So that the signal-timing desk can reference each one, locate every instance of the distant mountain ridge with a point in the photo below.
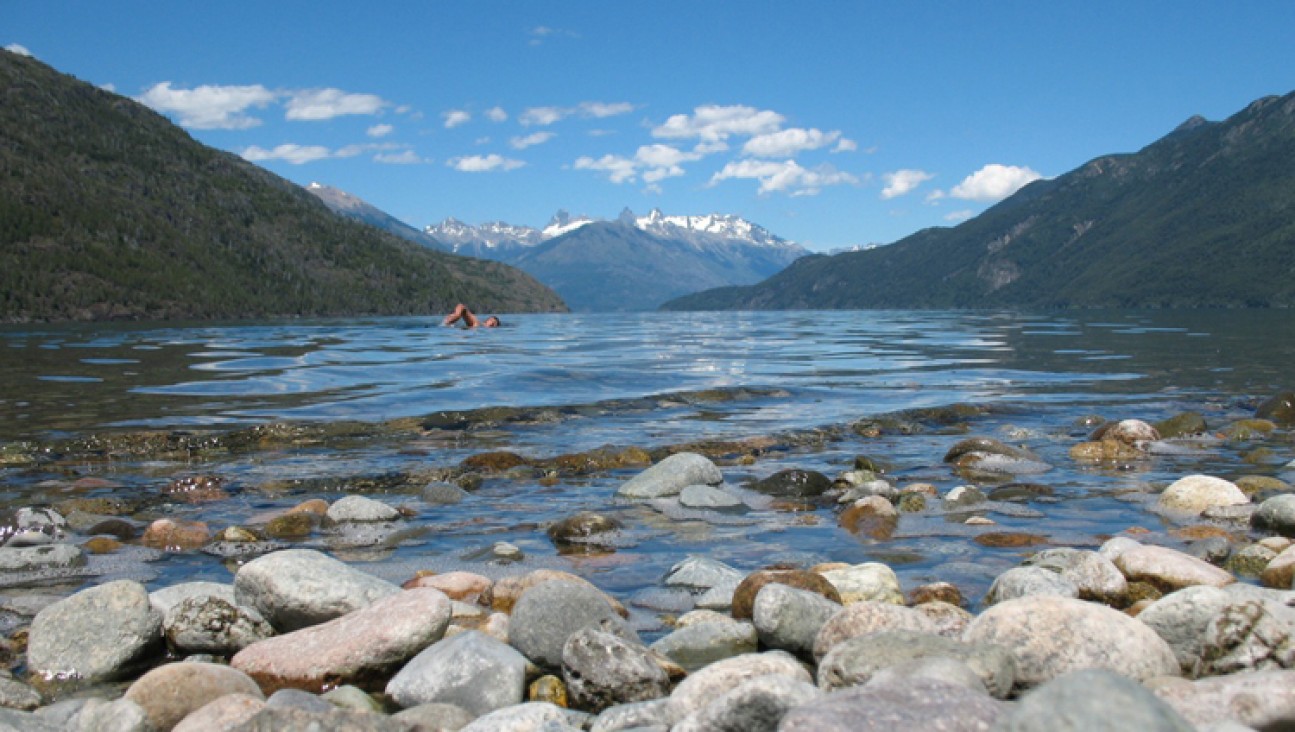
(1203, 217)
(108, 210)
(354, 207)
(633, 262)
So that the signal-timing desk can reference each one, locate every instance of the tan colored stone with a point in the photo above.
(461, 586)
(176, 535)
(169, 693)
(1169, 569)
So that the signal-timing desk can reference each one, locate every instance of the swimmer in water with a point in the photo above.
(461, 312)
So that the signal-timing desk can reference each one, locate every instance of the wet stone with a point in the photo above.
(360, 509)
(704, 496)
(794, 483)
(1278, 408)
(583, 527)
(1277, 514)
(32, 527)
(697, 645)
(32, 558)
(672, 475)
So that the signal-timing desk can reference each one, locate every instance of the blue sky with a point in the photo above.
(829, 123)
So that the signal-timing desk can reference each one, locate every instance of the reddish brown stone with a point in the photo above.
(175, 535)
(748, 588)
(935, 592)
(461, 586)
(1010, 539)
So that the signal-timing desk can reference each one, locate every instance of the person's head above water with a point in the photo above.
(492, 322)
(461, 312)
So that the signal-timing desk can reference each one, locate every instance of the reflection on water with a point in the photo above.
(796, 371)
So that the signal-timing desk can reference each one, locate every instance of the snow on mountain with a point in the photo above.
(501, 240)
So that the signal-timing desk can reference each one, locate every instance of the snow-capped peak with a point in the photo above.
(710, 227)
(562, 222)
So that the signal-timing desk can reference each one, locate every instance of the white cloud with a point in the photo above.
(845, 145)
(543, 116)
(786, 143)
(407, 157)
(109, 87)
(456, 117)
(617, 168)
(496, 114)
(535, 138)
(714, 122)
(903, 181)
(320, 104)
(18, 49)
(288, 152)
(380, 130)
(993, 182)
(483, 163)
(789, 176)
(541, 33)
(956, 216)
(653, 162)
(600, 110)
(209, 107)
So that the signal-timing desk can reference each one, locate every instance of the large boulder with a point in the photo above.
(358, 648)
(95, 635)
(297, 588)
(1051, 636)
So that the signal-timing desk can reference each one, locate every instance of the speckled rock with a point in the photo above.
(528, 717)
(1195, 493)
(297, 588)
(1249, 635)
(34, 558)
(213, 625)
(94, 635)
(862, 618)
(601, 670)
(169, 693)
(582, 527)
(1170, 569)
(755, 705)
(854, 662)
(1092, 701)
(944, 619)
(358, 648)
(1051, 636)
(1257, 698)
(921, 704)
(672, 475)
(470, 670)
(1181, 619)
(871, 581)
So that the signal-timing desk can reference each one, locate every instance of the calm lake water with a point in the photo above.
(644, 380)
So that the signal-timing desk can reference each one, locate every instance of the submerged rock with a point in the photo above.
(672, 475)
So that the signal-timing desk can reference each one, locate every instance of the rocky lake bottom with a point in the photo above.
(753, 522)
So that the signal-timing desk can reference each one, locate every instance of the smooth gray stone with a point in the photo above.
(933, 668)
(789, 618)
(922, 704)
(1260, 699)
(699, 645)
(360, 509)
(297, 588)
(440, 494)
(547, 614)
(702, 573)
(298, 699)
(1092, 701)
(857, 660)
(120, 715)
(94, 635)
(704, 496)
(655, 713)
(282, 719)
(528, 717)
(44, 556)
(1181, 618)
(12, 720)
(435, 716)
(1096, 576)
(16, 695)
(672, 475)
(1276, 514)
(707, 684)
(470, 670)
(1027, 581)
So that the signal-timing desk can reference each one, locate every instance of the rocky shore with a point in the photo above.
(1130, 634)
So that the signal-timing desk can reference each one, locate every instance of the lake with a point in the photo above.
(384, 405)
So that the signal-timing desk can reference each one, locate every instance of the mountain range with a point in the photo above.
(1203, 217)
(630, 263)
(108, 210)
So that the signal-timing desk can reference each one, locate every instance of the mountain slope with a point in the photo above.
(1204, 217)
(614, 265)
(341, 202)
(107, 210)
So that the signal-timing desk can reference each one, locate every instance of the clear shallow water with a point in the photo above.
(800, 371)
